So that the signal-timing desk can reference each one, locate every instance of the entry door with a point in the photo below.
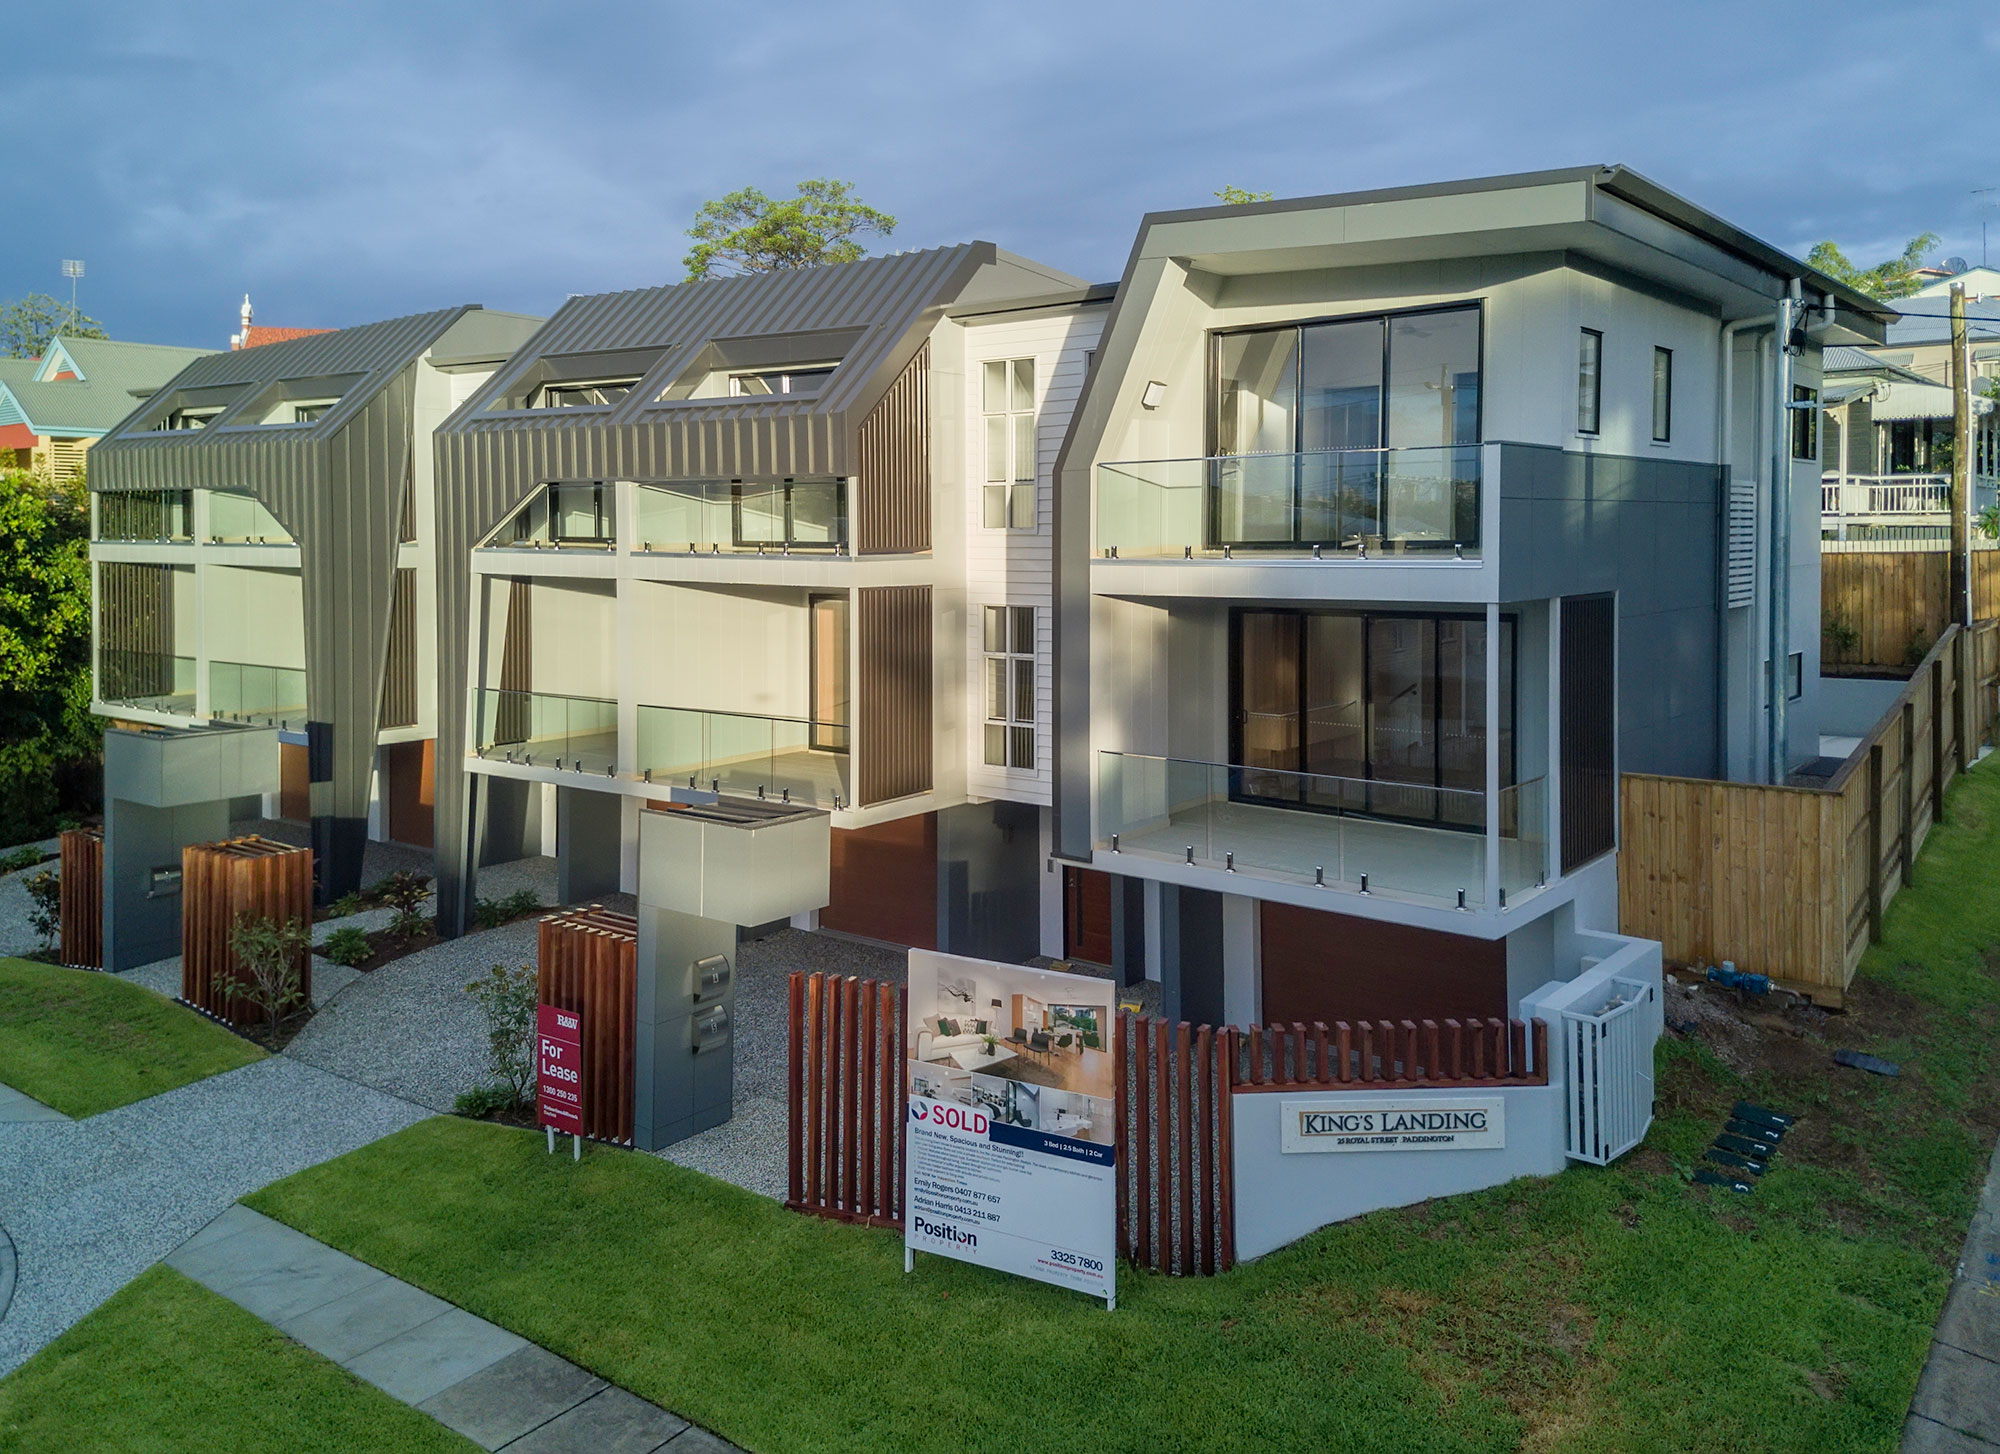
(829, 673)
(1086, 915)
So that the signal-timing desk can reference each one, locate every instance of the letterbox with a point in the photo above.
(711, 979)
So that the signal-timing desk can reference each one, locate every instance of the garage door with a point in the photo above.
(883, 882)
(1327, 967)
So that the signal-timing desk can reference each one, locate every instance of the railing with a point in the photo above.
(245, 692)
(543, 729)
(1352, 503)
(146, 680)
(707, 517)
(1851, 495)
(776, 757)
(1407, 839)
(145, 516)
(240, 520)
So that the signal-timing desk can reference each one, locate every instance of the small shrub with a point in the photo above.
(1841, 634)
(45, 907)
(491, 913)
(20, 858)
(1917, 648)
(346, 945)
(509, 999)
(268, 957)
(483, 1101)
(343, 906)
(407, 894)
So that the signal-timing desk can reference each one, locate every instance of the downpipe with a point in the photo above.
(1787, 343)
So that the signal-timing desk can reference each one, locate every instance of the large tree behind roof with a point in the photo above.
(748, 232)
(1896, 278)
(27, 324)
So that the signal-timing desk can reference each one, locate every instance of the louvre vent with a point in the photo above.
(1739, 572)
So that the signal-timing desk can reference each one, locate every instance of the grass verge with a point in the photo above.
(168, 1365)
(1618, 1308)
(84, 1042)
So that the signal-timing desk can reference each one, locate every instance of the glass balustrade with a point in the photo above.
(244, 692)
(744, 755)
(146, 681)
(1340, 503)
(1408, 840)
(708, 517)
(544, 729)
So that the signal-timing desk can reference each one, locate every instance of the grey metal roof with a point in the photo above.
(1842, 358)
(1928, 320)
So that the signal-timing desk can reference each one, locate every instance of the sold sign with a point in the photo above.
(559, 1068)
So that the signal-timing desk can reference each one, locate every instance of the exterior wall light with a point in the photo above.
(1154, 395)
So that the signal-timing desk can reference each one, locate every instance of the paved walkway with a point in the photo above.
(496, 1388)
(1957, 1406)
(91, 1204)
(17, 1108)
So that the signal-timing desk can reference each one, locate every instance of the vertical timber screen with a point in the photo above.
(849, 1099)
(587, 962)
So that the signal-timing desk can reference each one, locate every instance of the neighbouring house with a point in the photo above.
(1392, 527)
(251, 334)
(263, 552)
(54, 408)
(1980, 283)
(1886, 440)
(782, 537)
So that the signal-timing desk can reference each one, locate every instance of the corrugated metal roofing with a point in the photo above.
(1841, 358)
(1901, 400)
(111, 373)
(1928, 320)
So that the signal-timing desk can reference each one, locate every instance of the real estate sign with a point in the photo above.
(1011, 1134)
(1434, 1121)
(559, 1068)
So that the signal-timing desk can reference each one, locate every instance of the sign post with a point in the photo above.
(1011, 1155)
(559, 1074)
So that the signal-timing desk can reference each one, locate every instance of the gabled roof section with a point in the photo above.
(263, 335)
(1843, 358)
(111, 375)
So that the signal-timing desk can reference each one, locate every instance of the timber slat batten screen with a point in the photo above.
(1792, 881)
(1176, 1179)
(892, 508)
(848, 1098)
(82, 902)
(220, 882)
(587, 962)
(1451, 1053)
(893, 750)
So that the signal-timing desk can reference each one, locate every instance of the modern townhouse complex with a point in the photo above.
(54, 408)
(781, 537)
(1391, 528)
(263, 552)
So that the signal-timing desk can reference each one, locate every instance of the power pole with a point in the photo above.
(1961, 464)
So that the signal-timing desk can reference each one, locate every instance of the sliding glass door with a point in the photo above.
(1380, 713)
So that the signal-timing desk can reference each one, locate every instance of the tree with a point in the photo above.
(27, 324)
(748, 232)
(1895, 278)
(46, 730)
(269, 959)
(509, 999)
(1237, 196)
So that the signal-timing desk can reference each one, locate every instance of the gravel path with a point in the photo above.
(91, 1204)
(17, 935)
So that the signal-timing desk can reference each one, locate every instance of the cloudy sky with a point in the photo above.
(350, 161)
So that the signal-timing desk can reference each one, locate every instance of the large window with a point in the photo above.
(1363, 712)
(1007, 399)
(1663, 395)
(1010, 686)
(793, 514)
(1347, 432)
(767, 382)
(580, 514)
(1589, 381)
(584, 393)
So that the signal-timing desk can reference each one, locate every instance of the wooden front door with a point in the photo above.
(294, 792)
(411, 770)
(1087, 915)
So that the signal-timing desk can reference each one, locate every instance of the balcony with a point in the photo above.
(146, 681)
(1906, 505)
(272, 696)
(1407, 841)
(789, 758)
(708, 517)
(541, 729)
(1344, 503)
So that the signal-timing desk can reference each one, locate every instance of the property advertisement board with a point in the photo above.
(559, 1068)
(1011, 1136)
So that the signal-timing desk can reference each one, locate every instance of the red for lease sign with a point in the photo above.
(559, 1068)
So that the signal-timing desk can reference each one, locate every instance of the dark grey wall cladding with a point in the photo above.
(1574, 524)
(337, 487)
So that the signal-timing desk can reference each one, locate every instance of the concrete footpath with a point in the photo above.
(494, 1387)
(1957, 1405)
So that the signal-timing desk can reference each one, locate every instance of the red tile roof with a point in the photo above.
(263, 333)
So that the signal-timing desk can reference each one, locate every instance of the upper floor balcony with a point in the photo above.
(1351, 504)
(1868, 503)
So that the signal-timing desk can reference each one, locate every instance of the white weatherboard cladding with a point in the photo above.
(1013, 567)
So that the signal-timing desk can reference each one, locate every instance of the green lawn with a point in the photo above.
(1621, 1308)
(85, 1042)
(168, 1365)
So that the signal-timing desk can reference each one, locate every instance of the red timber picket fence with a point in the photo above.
(849, 1098)
(220, 882)
(587, 961)
(1176, 1194)
(82, 902)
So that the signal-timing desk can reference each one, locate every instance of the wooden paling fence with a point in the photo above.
(1885, 608)
(849, 1099)
(82, 904)
(1176, 1178)
(1418, 1054)
(587, 962)
(1792, 881)
(219, 883)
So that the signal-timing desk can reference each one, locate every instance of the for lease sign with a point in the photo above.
(559, 1068)
(1413, 1123)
